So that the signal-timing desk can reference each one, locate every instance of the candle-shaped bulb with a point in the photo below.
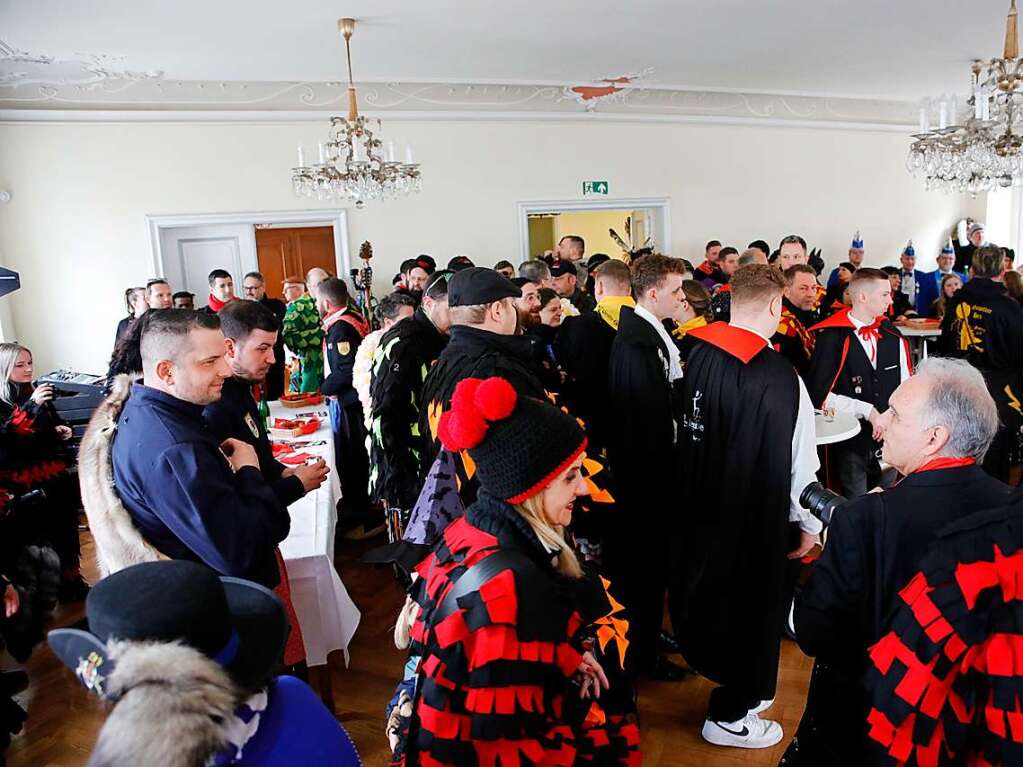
(323, 153)
(301, 156)
(408, 154)
(390, 151)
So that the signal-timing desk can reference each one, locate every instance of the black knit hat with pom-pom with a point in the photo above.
(519, 444)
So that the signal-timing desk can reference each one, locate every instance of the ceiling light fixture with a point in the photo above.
(351, 164)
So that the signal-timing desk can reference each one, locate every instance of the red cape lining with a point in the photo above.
(741, 344)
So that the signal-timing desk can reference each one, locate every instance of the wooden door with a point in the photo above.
(293, 251)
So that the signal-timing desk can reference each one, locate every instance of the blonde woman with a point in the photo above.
(950, 285)
(33, 457)
(508, 618)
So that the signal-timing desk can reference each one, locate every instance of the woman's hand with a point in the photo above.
(64, 432)
(593, 677)
(42, 394)
(11, 601)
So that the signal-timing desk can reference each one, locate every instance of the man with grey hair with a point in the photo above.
(937, 429)
(537, 272)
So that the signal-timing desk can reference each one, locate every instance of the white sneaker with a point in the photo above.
(762, 706)
(749, 732)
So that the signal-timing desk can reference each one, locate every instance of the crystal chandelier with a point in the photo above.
(981, 153)
(352, 166)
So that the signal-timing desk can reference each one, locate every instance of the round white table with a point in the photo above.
(922, 333)
(840, 428)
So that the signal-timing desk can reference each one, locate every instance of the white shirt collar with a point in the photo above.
(674, 357)
(751, 330)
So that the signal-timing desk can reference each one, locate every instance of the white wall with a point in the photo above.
(75, 227)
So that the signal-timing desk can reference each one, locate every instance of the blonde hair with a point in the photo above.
(8, 356)
(551, 536)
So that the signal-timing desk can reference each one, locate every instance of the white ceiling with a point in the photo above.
(876, 49)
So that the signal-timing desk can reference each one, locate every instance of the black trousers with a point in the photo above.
(730, 704)
(350, 458)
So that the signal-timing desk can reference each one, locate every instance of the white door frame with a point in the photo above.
(337, 217)
(663, 204)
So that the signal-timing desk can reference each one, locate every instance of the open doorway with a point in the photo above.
(543, 224)
(187, 248)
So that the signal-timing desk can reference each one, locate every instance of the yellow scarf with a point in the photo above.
(610, 308)
(699, 321)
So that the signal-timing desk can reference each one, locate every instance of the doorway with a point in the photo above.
(543, 224)
(186, 248)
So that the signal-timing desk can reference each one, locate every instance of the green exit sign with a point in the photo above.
(595, 187)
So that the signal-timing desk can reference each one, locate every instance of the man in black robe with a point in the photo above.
(583, 348)
(983, 324)
(403, 360)
(483, 344)
(859, 359)
(254, 285)
(746, 444)
(937, 427)
(641, 446)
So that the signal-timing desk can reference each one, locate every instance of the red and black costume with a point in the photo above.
(875, 545)
(945, 681)
(497, 671)
(36, 458)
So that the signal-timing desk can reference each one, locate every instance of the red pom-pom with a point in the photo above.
(461, 429)
(465, 393)
(495, 398)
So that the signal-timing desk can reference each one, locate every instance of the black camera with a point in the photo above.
(820, 501)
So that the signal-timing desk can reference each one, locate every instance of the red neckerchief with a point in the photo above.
(872, 334)
(726, 288)
(739, 342)
(353, 319)
(257, 392)
(216, 304)
(944, 463)
(706, 267)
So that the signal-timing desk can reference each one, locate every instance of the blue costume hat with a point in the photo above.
(908, 250)
(857, 241)
(948, 249)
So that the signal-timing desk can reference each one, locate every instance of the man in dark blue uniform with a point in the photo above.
(192, 496)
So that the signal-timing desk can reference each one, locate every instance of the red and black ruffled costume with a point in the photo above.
(947, 679)
(498, 665)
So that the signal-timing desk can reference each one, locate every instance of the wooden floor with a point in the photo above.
(64, 719)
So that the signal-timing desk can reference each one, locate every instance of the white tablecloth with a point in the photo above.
(839, 428)
(327, 614)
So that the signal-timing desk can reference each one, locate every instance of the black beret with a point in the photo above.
(479, 285)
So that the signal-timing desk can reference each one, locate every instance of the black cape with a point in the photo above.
(583, 348)
(730, 532)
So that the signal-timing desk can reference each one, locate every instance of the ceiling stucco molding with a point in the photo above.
(155, 96)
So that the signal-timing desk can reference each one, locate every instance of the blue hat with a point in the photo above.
(948, 250)
(857, 241)
(908, 250)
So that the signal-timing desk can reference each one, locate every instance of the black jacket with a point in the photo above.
(236, 414)
(404, 357)
(342, 342)
(875, 545)
(275, 378)
(583, 348)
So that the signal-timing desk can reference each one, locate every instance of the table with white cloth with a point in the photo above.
(326, 613)
(918, 338)
(835, 428)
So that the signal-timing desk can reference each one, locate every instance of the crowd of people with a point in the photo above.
(563, 455)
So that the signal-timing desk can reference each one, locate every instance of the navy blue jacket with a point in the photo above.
(236, 414)
(179, 488)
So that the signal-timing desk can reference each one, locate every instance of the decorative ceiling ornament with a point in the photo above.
(607, 90)
(351, 165)
(981, 153)
(86, 71)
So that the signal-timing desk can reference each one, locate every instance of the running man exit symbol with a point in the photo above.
(595, 187)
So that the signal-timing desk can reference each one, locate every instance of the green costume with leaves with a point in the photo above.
(303, 334)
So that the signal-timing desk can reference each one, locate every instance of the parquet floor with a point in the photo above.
(64, 719)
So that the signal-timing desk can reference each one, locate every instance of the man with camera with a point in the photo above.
(937, 428)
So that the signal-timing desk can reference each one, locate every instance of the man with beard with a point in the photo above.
(191, 495)
(641, 445)
(792, 339)
(483, 344)
(251, 333)
(983, 324)
(404, 358)
(584, 351)
(221, 291)
(527, 306)
(255, 290)
(746, 442)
